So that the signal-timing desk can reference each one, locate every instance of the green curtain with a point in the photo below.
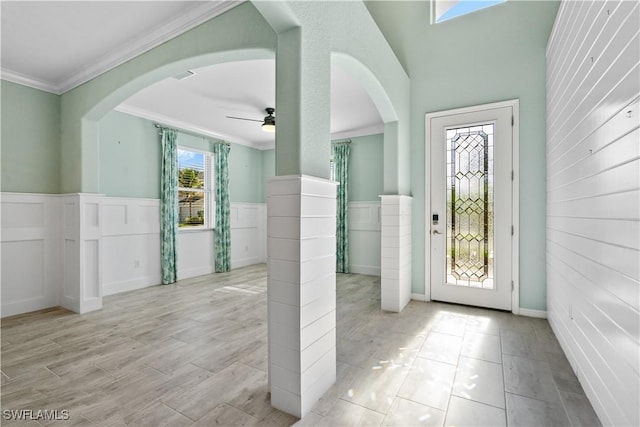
(341, 152)
(223, 208)
(169, 206)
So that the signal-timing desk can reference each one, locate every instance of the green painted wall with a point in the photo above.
(30, 139)
(365, 168)
(312, 36)
(245, 174)
(130, 158)
(268, 170)
(238, 34)
(194, 141)
(492, 55)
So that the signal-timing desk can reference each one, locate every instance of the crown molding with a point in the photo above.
(189, 127)
(363, 131)
(122, 54)
(24, 80)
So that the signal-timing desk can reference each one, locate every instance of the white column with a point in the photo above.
(81, 251)
(302, 290)
(396, 254)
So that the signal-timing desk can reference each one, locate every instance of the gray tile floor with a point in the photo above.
(195, 353)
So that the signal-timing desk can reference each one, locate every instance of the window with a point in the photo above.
(195, 189)
(443, 10)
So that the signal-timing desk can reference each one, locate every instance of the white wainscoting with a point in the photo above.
(195, 253)
(131, 244)
(72, 249)
(31, 252)
(248, 234)
(593, 213)
(82, 221)
(131, 239)
(364, 238)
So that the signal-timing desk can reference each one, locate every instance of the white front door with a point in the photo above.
(470, 220)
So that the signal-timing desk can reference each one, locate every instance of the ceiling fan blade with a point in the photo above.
(243, 118)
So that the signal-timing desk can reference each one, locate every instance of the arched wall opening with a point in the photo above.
(130, 173)
(229, 38)
(361, 252)
(89, 122)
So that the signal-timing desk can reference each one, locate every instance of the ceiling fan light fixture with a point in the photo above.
(269, 124)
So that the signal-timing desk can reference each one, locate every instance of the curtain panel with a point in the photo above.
(341, 153)
(223, 208)
(169, 206)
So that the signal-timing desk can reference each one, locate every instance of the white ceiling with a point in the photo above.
(244, 89)
(58, 45)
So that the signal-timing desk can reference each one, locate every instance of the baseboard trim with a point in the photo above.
(70, 304)
(541, 314)
(91, 304)
(419, 297)
(369, 270)
(195, 272)
(26, 306)
(245, 262)
(130, 285)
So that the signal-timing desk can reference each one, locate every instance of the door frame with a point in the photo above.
(515, 194)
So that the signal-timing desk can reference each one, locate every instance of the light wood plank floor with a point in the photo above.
(195, 353)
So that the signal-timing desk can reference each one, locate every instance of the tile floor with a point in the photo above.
(195, 353)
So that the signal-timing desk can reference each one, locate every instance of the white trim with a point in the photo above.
(24, 80)
(130, 285)
(515, 210)
(369, 270)
(188, 273)
(541, 314)
(243, 262)
(91, 304)
(515, 195)
(208, 190)
(121, 54)
(187, 126)
(191, 127)
(418, 297)
(362, 131)
(427, 204)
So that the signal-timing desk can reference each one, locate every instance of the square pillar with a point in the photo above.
(301, 233)
(396, 253)
(81, 251)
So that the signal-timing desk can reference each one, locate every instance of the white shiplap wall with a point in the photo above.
(593, 200)
(395, 259)
(301, 215)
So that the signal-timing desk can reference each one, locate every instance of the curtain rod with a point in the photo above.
(346, 141)
(159, 126)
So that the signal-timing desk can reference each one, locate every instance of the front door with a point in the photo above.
(470, 222)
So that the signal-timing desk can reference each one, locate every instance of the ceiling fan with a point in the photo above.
(268, 123)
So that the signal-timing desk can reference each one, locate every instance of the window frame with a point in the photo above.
(208, 190)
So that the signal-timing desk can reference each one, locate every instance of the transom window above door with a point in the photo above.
(444, 10)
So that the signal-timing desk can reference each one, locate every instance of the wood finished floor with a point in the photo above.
(195, 353)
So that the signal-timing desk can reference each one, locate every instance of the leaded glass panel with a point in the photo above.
(470, 206)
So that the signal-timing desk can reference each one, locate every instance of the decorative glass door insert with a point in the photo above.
(471, 191)
(469, 240)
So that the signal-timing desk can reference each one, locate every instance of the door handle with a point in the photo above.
(436, 232)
